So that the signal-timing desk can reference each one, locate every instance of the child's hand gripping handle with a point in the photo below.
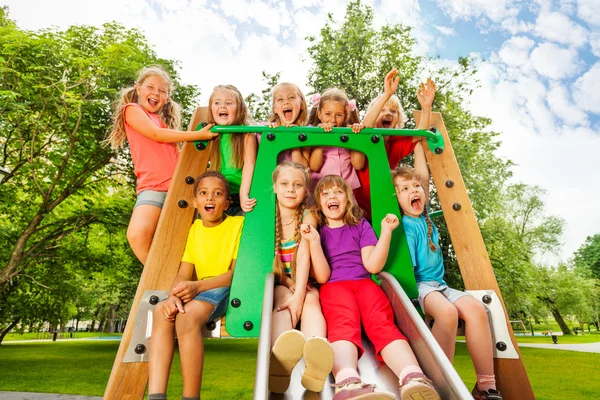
(203, 144)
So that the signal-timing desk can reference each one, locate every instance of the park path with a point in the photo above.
(583, 347)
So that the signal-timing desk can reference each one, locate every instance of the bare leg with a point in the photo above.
(477, 334)
(345, 360)
(446, 321)
(313, 322)
(398, 355)
(282, 320)
(191, 346)
(141, 229)
(162, 343)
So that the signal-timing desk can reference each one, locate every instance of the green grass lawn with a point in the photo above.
(66, 335)
(83, 367)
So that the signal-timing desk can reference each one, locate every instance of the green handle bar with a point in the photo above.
(435, 140)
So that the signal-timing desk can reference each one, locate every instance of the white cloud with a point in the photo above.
(515, 51)
(264, 14)
(589, 11)
(595, 43)
(446, 31)
(559, 28)
(466, 9)
(554, 62)
(586, 90)
(561, 105)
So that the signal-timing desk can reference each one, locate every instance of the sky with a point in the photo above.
(538, 67)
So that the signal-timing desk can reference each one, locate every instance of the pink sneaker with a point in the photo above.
(416, 386)
(355, 389)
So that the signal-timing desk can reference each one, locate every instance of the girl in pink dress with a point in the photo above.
(329, 110)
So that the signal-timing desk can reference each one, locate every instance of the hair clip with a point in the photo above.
(351, 105)
(315, 99)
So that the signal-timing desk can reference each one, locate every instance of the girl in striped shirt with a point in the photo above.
(293, 297)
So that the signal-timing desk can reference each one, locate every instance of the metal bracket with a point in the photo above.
(503, 345)
(139, 346)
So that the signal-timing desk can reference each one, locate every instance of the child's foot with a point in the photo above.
(490, 394)
(354, 388)
(286, 353)
(318, 358)
(416, 386)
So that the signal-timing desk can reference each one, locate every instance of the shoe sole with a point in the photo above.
(419, 392)
(318, 358)
(286, 353)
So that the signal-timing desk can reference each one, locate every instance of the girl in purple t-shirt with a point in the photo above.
(345, 252)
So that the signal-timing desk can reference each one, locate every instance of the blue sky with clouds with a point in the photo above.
(538, 63)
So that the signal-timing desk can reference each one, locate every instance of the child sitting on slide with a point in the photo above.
(444, 304)
(345, 252)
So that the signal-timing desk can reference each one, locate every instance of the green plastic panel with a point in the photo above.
(255, 257)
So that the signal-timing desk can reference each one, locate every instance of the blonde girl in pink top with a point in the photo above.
(329, 110)
(147, 118)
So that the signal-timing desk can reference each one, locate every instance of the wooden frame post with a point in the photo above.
(129, 380)
(473, 260)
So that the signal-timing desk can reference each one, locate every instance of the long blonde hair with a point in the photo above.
(237, 140)
(170, 113)
(302, 116)
(408, 173)
(278, 268)
(353, 212)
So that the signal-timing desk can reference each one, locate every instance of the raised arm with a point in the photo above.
(421, 166)
(425, 95)
(374, 257)
(390, 84)
(139, 121)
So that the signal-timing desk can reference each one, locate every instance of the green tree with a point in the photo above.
(514, 235)
(56, 91)
(564, 291)
(587, 257)
(261, 105)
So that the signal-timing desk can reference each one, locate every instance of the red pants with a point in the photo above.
(345, 304)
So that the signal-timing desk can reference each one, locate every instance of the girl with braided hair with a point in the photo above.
(444, 304)
(293, 298)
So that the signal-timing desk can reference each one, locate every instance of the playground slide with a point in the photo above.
(431, 357)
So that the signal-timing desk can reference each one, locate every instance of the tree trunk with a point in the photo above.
(16, 256)
(561, 322)
(8, 329)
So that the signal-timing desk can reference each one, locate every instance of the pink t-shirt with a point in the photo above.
(154, 162)
(336, 161)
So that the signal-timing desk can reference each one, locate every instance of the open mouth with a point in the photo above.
(386, 122)
(209, 208)
(416, 202)
(333, 206)
(153, 102)
(223, 114)
(288, 113)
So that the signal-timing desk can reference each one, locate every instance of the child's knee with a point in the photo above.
(281, 295)
(312, 299)
(195, 316)
(446, 315)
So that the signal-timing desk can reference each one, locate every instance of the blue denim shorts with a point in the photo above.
(427, 287)
(151, 197)
(218, 297)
